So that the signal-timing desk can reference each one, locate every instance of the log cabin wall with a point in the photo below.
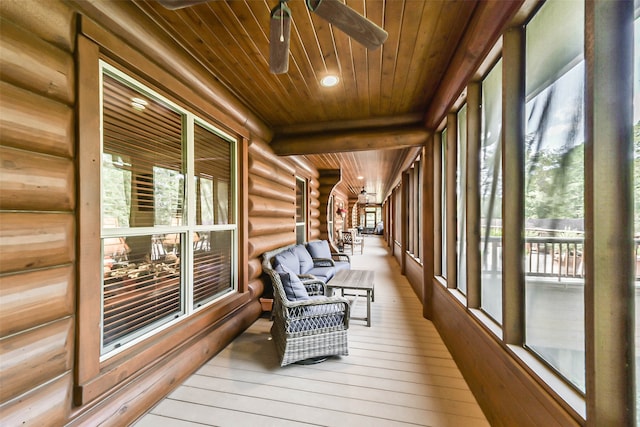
(37, 213)
(40, 282)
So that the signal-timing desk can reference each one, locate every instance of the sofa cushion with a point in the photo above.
(304, 258)
(293, 287)
(288, 259)
(323, 273)
(319, 249)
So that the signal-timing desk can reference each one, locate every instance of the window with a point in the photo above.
(461, 201)
(330, 229)
(491, 194)
(301, 210)
(414, 244)
(554, 188)
(443, 205)
(168, 211)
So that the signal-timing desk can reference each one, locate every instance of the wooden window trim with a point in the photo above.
(93, 377)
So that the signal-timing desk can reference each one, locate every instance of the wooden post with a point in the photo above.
(513, 96)
(428, 236)
(609, 287)
(473, 194)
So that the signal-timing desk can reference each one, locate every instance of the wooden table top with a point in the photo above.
(353, 279)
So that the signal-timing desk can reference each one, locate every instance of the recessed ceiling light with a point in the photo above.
(329, 81)
(361, 177)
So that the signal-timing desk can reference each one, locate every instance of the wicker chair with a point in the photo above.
(307, 329)
(350, 238)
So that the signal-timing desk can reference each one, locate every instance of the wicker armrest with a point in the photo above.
(323, 262)
(313, 285)
(341, 257)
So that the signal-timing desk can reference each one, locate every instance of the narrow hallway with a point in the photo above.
(398, 373)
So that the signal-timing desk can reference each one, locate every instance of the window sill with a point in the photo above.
(487, 322)
(574, 401)
(138, 359)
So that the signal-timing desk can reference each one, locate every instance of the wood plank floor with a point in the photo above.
(398, 373)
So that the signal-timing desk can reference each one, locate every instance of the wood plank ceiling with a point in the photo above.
(387, 88)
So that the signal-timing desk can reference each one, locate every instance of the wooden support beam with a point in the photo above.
(483, 31)
(513, 116)
(358, 140)
(610, 290)
(411, 119)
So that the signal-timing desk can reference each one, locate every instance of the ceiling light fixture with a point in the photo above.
(363, 197)
(329, 81)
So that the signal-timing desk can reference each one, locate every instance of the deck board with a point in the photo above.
(398, 373)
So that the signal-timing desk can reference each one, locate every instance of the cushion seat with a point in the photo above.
(323, 273)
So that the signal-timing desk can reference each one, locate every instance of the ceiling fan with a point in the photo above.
(363, 196)
(335, 12)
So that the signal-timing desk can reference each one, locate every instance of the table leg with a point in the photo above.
(368, 307)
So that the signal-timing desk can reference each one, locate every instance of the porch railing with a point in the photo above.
(551, 257)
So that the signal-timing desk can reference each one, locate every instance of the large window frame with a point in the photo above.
(94, 374)
(608, 284)
(187, 228)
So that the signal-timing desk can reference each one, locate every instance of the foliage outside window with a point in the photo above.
(491, 194)
(168, 211)
(554, 188)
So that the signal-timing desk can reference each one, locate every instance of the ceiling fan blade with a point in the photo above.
(279, 38)
(179, 4)
(350, 22)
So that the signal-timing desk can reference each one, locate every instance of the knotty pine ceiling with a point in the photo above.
(391, 85)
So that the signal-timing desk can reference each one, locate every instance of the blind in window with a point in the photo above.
(212, 162)
(557, 46)
(138, 293)
(143, 185)
(211, 265)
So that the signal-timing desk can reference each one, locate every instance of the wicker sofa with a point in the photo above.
(307, 324)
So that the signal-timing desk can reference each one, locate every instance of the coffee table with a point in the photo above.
(355, 280)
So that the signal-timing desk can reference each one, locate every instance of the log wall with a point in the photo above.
(37, 212)
(272, 205)
(39, 279)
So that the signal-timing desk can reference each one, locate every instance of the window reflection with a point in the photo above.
(491, 194)
(554, 189)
